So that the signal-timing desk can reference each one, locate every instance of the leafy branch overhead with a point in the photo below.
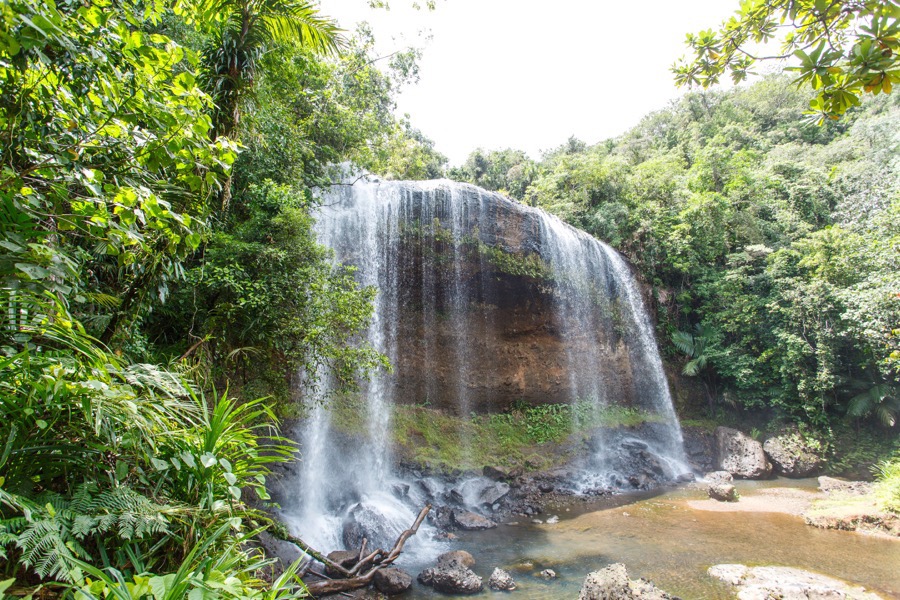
(844, 48)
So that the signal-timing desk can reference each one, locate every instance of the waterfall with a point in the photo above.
(481, 302)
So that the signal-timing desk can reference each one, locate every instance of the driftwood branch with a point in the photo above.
(318, 555)
(355, 576)
(362, 550)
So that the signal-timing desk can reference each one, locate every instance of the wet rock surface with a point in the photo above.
(470, 521)
(740, 455)
(452, 574)
(612, 583)
(785, 583)
(501, 581)
(392, 581)
(366, 522)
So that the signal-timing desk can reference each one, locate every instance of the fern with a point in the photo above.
(51, 531)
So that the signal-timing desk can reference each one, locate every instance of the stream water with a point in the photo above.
(661, 538)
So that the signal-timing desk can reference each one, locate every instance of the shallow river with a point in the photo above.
(662, 539)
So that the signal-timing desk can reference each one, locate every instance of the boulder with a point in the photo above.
(548, 574)
(762, 583)
(345, 558)
(392, 581)
(792, 456)
(740, 455)
(451, 574)
(493, 493)
(501, 581)
(363, 521)
(456, 581)
(723, 492)
(471, 521)
(718, 477)
(612, 583)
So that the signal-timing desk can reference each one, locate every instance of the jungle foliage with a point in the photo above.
(771, 243)
(131, 292)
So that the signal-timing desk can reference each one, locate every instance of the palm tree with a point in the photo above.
(882, 400)
(693, 346)
(242, 31)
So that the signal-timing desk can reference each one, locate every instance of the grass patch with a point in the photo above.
(887, 484)
(527, 436)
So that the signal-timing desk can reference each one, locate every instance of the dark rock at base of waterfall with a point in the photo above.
(501, 473)
(792, 456)
(471, 521)
(365, 522)
(501, 581)
(700, 448)
(723, 492)
(480, 491)
(718, 477)
(441, 517)
(392, 581)
(344, 558)
(741, 455)
(686, 478)
(612, 583)
(493, 493)
(787, 583)
(284, 553)
(452, 574)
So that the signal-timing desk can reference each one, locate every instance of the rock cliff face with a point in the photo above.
(488, 302)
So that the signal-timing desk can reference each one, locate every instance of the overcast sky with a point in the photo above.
(523, 74)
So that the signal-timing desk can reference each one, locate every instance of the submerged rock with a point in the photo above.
(456, 558)
(792, 456)
(762, 583)
(741, 455)
(471, 521)
(501, 581)
(392, 581)
(548, 574)
(723, 492)
(612, 583)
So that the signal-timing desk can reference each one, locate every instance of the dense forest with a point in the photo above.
(163, 290)
(770, 242)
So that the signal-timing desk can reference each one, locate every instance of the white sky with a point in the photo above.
(524, 74)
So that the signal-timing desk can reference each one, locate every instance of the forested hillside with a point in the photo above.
(772, 243)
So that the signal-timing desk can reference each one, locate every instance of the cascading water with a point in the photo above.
(481, 302)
